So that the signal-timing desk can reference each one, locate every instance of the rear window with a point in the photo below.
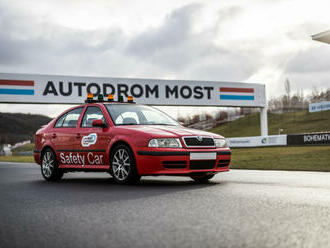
(69, 119)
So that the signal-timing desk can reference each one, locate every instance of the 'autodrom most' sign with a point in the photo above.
(28, 88)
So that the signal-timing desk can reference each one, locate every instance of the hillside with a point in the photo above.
(16, 127)
(295, 122)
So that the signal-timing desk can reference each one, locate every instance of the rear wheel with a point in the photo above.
(49, 166)
(123, 166)
(203, 178)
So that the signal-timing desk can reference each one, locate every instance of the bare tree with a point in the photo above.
(287, 86)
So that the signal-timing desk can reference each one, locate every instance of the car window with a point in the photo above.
(59, 122)
(127, 118)
(92, 113)
(134, 114)
(69, 119)
(152, 115)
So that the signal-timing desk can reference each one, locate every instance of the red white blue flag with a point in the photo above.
(231, 93)
(16, 87)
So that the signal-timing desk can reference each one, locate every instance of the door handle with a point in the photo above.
(54, 135)
(78, 136)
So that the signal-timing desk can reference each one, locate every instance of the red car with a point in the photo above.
(127, 140)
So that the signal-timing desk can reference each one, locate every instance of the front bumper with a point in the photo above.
(37, 156)
(159, 161)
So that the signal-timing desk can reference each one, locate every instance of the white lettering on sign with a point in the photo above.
(316, 137)
(79, 159)
(89, 140)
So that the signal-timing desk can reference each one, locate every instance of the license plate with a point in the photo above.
(203, 156)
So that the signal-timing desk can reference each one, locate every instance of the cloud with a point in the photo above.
(173, 33)
(313, 60)
(217, 41)
(170, 45)
(178, 49)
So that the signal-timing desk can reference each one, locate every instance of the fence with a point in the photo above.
(306, 139)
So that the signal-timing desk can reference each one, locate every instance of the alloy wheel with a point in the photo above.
(121, 164)
(48, 164)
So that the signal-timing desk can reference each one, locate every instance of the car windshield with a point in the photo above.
(131, 114)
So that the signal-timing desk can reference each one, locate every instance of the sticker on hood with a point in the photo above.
(89, 140)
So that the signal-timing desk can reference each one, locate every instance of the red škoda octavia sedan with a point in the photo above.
(129, 141)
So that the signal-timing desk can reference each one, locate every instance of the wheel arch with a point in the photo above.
(44, 149)
(123, 142)
(117, 143)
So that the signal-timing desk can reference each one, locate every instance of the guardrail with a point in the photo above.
(319, 138)
(309, 139)
(25, 153)
(257, 141)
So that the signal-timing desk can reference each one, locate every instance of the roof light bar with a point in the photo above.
(109, 98)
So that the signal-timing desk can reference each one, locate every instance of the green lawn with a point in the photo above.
(23, 159)
(295, 122)
(305, 158)
(313, 158)
(25, 148)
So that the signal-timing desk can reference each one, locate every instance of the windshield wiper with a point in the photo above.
(124, 124)
(162, 124)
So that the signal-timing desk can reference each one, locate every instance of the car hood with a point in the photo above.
(168, 131)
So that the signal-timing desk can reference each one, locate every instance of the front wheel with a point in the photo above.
(49, 166)
(123, 166)
(204, 178)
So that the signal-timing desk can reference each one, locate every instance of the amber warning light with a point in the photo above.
(130, 99)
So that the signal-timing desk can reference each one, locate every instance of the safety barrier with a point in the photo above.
(309, 139)
(256, 141)
(319, 138)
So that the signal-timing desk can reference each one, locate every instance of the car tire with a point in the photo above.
(123, 165)
(203, 178)
(49, 166)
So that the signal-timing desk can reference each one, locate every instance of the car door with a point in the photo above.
(94, 140)
(64, 137)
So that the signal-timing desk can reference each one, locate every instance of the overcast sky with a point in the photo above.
(260, 41)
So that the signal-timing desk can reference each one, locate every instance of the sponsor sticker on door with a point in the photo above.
(89, 140)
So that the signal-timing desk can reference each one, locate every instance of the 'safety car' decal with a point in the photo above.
(81, 159)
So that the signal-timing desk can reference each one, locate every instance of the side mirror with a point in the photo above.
(98, 123)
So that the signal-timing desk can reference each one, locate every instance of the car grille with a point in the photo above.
(223, 163)
(174, 164)
(202, 164)
(198, 142)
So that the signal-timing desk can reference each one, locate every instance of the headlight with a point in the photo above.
(220, 143)
(165, 142)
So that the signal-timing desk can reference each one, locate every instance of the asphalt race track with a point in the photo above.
(237, 209)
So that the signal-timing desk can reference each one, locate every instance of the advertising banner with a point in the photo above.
(28, 88)
(256, 141)
(309, 139)
(319, 106)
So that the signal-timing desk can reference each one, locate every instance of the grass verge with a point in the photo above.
(25, 148)
(295, 122)
(304, 158)
(20, 159)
